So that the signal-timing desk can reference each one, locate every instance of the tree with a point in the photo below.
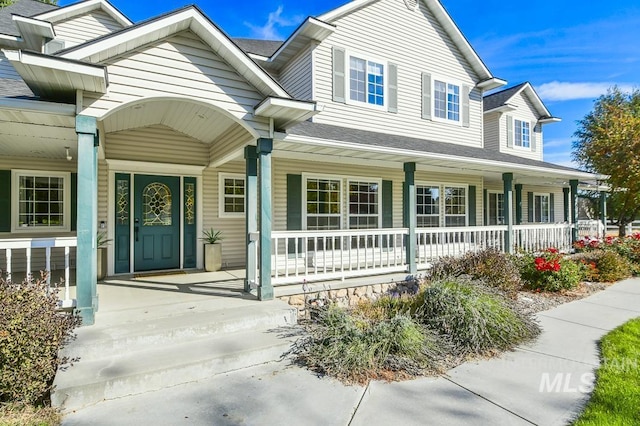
(608, 142)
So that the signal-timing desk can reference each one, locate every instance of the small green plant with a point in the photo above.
(475, 318)
(492, 267)
(550, 271)
(212, 236)
(32, 331)
(101, 239)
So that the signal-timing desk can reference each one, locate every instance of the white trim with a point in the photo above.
(56, 63)
(309, 22)
(377, 181)
(347, 75)
(15, 201)
(144, 167)
(83, 7)
(68, 110)
(221, 195)
(45, 28)
(303, 197)
(447, 82)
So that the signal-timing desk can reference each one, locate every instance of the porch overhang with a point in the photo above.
(286, 112)
(51, 77)
(33, 30)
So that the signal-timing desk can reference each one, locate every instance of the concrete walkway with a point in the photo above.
(545, 383)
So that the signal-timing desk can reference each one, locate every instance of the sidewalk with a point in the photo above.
(545, 383)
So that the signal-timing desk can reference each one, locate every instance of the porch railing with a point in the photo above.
(300, 256)
(20, 255)
(590, 228)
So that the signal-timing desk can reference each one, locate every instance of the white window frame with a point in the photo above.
(367, 59)
(305, 178)
(432, 185)
(221, 195)
(542, 194)
(378, 182)
(15, 201)
(442, 203)
(447, 82)
(499, 211)
(519, 136)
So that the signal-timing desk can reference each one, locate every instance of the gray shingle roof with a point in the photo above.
(258, 47)
(499, 98)
(26, 8)
(363, 137)
(10, 87)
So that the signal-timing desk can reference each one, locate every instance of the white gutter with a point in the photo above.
(68, 110)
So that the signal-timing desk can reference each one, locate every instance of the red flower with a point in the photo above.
(552, 250)
(593, 243)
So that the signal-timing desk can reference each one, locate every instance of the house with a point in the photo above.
(318, 157)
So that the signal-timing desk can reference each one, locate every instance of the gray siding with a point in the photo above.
(83, 28)
(296, 78)
(492, 131)
(389, 32)
(525, 111)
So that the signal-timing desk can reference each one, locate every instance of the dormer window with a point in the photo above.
(522, 134)
(366, 81)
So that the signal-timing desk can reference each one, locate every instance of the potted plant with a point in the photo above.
(212, 250)
(101, 242)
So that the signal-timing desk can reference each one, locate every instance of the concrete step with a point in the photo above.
(133, 333)
(165, 365)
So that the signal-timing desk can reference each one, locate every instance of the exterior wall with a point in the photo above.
(156, 144)
(492, 131)
(233, 228)
(182, 66)
(558, 200)
(388, 31)
(524, 112)
(295, 77)
(83, 28)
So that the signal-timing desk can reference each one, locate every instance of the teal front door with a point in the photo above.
(156, 222)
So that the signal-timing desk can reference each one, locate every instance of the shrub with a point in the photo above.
(477, 319)
(550, 271)
(491, 266)
(32, 331)
(355, 347)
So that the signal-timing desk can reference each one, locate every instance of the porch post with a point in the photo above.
(565, 193)
(87, 201)
(410, 214)
(251, 217)
(507, 179)
(574, 211)
(518, 187)
(603, 212)
(264, 148)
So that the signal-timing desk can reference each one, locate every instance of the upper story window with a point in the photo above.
(522, 133)
(446, 100)
(232, 195)
(41, 200)
(366, 81)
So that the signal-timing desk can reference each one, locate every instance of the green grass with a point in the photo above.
(616, 396)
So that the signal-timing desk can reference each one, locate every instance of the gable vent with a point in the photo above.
(53, 46)
(411, 4)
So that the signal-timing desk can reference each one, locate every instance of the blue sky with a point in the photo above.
(570, 50)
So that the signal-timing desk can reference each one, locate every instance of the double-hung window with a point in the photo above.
(446, 98)
(232, 195)
(41, 200)
(366, 81)
(364, 204)
(428, 206)
(522, 133)
(455, 206)
(541, 208)
(323, 203)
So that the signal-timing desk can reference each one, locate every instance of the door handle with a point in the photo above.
(136, 229)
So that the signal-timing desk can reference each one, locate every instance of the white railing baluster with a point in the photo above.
(67, 272)
(8, 256)
(48, 264)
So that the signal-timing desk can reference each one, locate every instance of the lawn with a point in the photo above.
(616, 396)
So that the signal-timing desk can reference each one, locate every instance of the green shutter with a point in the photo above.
(294, 202)
(74, 201)
(509, 131)
(472, 205)
(552, 209)
(426, 96)
(466, 92)
(387, 204)
(518, 203)
(5, 200)
(530, 206)
(339, 81)
(485, 206)
(393, 88)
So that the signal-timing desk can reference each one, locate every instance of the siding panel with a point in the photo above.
(80, 29)
(295, 77)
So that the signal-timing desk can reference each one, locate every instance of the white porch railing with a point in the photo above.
(538, 237)
(36, 247)
(300, 256)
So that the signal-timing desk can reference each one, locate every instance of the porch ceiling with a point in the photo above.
(197, 121)
(37, 129)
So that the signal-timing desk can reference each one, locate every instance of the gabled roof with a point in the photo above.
(163, 26)
(500, 99)
(28, 8)
(83, 7)
(449, 26)
(258, 47)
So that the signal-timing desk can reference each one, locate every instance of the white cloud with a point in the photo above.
(275, 21)
(565, 91)
(557, 143)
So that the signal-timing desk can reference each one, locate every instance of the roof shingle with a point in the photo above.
(499, 98)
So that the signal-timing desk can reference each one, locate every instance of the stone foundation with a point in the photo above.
(349, 296)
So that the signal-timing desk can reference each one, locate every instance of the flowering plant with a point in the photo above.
(550, 271)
